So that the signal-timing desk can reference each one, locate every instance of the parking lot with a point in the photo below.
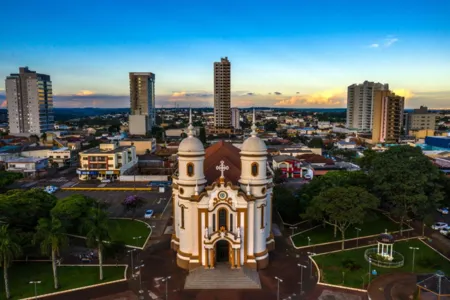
(153, 200)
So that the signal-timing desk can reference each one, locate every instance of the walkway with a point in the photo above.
(393, 286)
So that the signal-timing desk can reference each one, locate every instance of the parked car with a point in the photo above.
(106, 180)
(148, 214)
(50, 189)
(443, 210)
(439, 225)
(445, 231)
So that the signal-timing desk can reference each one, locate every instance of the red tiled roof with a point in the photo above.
(315, 158)
(229, 154)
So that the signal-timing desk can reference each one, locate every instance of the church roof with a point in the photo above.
(229, 154)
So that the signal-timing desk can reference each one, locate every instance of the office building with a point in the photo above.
(360, 104)
(235, 118)
(387, 116)
(420, 122)
(107, 161)
(30, 102)
(142, 102)
(222, 95)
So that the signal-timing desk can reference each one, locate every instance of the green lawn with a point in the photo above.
(375, 223)
(123, 230)
(20, 274)
(331, 265)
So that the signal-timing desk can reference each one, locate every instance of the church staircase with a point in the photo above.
(222, 278)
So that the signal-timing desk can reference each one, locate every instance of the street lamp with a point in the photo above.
(166, 279)
(301, 277)
(132, 266)
(357, 235)
(309, 240)
(35, 287)
(140, 278)
(293, 229)
(414, 252)
(278, 286)
(310, 263)
(370, 270)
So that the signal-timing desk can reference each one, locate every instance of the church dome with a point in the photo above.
(253, 144)
(191, 144)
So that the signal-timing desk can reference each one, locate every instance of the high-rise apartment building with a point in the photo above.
(222, 94)
(142, 102)
(235, 118)
(30, 102)
(360, 104)
(387, 116)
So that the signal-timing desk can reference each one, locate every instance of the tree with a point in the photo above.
(6, 178)
(271, 125)
(341, 207)
(286, 203)
(316, 142)
(278, 177)
(52, 237)
(406, 181)
(131, 203)
(96, 228)
(183, 135)
(72, 210)
(147, 151)
(202, 135)
(366, 161)
(43, 137)
(8, 251)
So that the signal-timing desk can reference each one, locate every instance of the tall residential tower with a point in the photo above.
(222, 95)
(360, 104)
(30, 102)
(387, 117)
(142, 102)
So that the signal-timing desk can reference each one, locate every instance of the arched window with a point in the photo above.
(255, 169)
(190, 169)
(262, 216)
(222, 218)
(182, 217)
(214, 222)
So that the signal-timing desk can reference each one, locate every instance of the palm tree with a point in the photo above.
(8, 251)
(96, 228)
(52, 237)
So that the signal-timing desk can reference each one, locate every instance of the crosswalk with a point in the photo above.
(60, 179)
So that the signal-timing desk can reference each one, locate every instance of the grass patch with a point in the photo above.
(123, 230)
(375, 223)
(353, 263)
(20, 274)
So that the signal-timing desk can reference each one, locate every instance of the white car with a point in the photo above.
(443, 210)
(439, 225)
(444, 231)
(148, 214)
(106, 181)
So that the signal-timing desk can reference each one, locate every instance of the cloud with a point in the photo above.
(250, 94)
(374, 46)
(404, 93)
(277, 93)
(332, 98)
(84, 93)
(191, 94)
(297, 93)
(390, 41)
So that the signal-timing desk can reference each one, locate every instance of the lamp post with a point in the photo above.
(414, 252)
(278, 286)
(137, 238)
(132, 266)
(166, 279)
(293, 229)
(36, 282)
(140, 278)
(301, 277)
(357, 236)
(310, 263)
(309, 240)
(370, 270)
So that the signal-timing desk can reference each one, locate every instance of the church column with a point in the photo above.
(238, 258)
(251, 228)
(207, 258)
(233, 266)
(211, 258)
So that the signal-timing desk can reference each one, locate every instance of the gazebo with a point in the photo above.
(385, 247)
(437, 284)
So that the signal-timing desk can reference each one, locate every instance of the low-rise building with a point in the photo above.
(346, 145)
(291, 167)
(107, 161)
(143, 146)
(62, 157)
(28, 166)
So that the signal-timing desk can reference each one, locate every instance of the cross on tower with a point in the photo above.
(222, 168)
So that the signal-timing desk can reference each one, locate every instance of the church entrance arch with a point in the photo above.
(222, 251)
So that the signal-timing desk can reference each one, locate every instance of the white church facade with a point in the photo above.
(222, 204)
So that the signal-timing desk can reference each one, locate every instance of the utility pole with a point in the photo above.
(301, 277)
(141, 291)
(310, 263)
(166, 280)
(132, 266)
(278, 286)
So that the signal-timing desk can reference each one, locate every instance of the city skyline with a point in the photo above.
(298, 54)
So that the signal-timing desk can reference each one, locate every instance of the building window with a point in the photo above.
(222, 218)
(255, 169)
(190, 169)
(214, 222)
(231, 222)
(262, 216)
(181, 191)
(263, 191)
(182, 217)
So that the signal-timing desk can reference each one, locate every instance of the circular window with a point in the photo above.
(263, 191)
(181, 191)
(223, 195)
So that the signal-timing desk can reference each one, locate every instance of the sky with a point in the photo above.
(300, 53)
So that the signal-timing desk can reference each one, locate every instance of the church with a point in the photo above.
(222, 204)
